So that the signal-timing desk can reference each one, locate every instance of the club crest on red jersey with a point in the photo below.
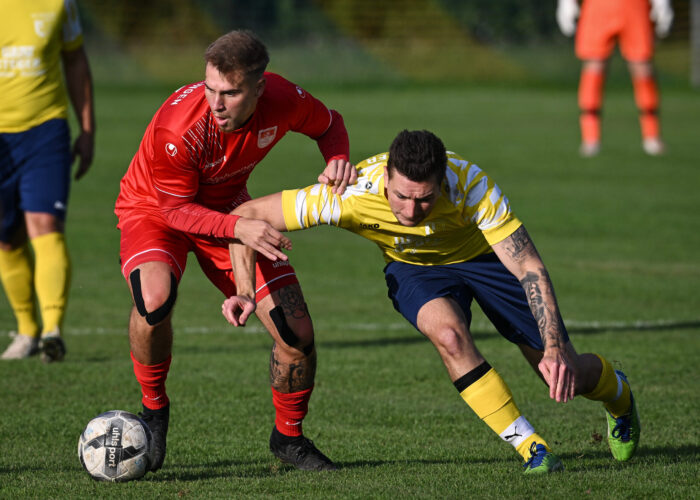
(171, 149)
(266, 136)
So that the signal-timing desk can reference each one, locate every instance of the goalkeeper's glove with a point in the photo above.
(567, 13)
(662, 15)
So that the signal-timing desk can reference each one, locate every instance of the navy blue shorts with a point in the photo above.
(35, 170)
(484, 279)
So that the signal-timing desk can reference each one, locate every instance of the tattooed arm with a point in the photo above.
(519, 255)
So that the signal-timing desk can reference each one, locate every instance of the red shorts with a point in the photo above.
(603, 22)
(145, 237)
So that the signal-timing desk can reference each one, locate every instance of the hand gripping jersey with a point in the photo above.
(193, 174)
(32, 36)
(470, 215)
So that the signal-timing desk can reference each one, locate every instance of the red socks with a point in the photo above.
(152, 381)
(290, 410)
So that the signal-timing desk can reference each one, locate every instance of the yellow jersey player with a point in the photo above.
(449, 237)
(36, 39)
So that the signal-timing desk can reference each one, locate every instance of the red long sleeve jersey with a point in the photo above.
(193, 174)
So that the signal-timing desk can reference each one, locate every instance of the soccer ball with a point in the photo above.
(116, 446)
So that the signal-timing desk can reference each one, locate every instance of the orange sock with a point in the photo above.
(590, 100)
(646, 95)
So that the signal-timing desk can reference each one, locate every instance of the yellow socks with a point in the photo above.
(51, 278)
(487, 394)
(611, 390)
(17, 279)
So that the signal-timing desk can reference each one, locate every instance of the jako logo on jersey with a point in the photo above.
(171, 149)
(266, 136)
(301, 92)
(369, 226)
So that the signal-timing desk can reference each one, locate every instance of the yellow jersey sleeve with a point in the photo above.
(470, 215)
(32, 36)
(481, 201)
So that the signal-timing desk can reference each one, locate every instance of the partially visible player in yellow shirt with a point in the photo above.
(449, 237)
(41, 42)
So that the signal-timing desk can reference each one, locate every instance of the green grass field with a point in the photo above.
(620, 234)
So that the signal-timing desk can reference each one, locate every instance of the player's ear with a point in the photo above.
(260, 87)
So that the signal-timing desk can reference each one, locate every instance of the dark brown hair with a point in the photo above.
(418, 155)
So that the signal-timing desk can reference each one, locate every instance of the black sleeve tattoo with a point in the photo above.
(548, 321)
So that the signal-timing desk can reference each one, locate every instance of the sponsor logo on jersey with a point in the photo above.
(280, 263)
(59, 205)
(185, 93)
(215, 163)
(42, 23)
(368, 186)
(369, 226)
(301, 92)
(171, 149)
(266, 136)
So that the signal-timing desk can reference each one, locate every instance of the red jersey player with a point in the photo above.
(602, 23)
(190, 171)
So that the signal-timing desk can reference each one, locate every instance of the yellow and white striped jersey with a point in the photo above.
(32, 36)
(470, 215)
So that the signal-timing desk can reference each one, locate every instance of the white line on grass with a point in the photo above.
(373, 327)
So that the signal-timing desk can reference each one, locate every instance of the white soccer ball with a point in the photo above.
(116, 446)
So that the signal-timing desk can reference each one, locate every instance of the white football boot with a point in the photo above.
(653, 146)
(22, 347)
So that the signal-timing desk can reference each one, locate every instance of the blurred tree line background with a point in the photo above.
(354, 41)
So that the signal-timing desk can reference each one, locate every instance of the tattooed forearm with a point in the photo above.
(519, 245)
(540, 297)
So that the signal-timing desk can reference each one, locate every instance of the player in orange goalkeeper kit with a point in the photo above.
(601, 24)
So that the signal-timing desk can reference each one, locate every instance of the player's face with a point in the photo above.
(232, 98)
(410, 201)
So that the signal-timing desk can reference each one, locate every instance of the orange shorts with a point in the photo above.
(603, 22)
(145, 237)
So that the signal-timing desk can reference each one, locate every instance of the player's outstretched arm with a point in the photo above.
(519, 255)
(264, 214)
(260, 225)
(335, 148)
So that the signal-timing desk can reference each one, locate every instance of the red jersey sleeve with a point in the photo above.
(176, 181)
(325, 126)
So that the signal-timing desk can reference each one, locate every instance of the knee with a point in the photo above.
(154, 303)
(450, 341)
(296, 334)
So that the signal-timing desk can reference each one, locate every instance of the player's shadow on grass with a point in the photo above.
(240, 469)
(477, 335)
(689, 454)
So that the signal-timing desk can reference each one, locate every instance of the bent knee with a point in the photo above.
(295, 333)
(154, 302)
(450, 341)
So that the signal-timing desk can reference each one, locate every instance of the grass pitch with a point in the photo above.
(619, 234)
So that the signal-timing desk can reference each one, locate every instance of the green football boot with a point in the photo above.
(623, 432)
(542, 461)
